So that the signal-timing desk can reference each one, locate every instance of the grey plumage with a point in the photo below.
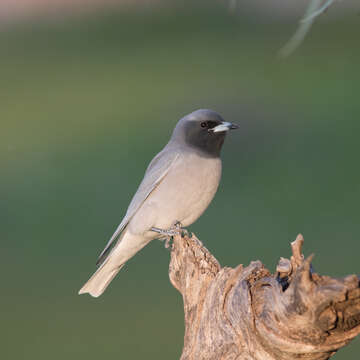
(178, 185)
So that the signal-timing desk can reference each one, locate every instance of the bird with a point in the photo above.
(178, 186)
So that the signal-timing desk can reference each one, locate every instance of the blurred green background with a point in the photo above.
(86, 102)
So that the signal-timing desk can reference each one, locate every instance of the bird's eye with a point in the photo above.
(203, 124)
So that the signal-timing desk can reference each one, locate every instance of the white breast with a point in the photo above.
(186, 191)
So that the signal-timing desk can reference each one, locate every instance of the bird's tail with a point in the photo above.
(98, 283)
(126, 247)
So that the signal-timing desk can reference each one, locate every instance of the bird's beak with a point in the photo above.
(224, 126)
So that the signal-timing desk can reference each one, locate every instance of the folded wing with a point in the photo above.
(155, 173)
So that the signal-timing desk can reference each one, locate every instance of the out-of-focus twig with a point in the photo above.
(319, 11)
(315, 8)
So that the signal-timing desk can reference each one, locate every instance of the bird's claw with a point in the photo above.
(168, 235)
(177, 225)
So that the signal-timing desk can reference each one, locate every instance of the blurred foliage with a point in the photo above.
(85, 103)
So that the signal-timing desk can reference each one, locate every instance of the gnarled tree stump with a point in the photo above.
(247, 313)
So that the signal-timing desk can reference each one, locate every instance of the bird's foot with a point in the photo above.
(177, 225)
(181, 230)
(168, 235)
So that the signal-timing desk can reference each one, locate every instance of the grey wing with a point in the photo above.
(154, 174)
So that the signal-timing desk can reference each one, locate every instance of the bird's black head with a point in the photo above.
(204, 130)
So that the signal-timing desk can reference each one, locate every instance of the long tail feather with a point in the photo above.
(98, 283)
(126, 247)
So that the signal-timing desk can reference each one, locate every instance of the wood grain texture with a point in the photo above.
(247, 313)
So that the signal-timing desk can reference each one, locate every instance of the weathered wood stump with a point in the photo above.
(249, 313)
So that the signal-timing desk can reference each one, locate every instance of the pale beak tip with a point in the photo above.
(224, 126)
